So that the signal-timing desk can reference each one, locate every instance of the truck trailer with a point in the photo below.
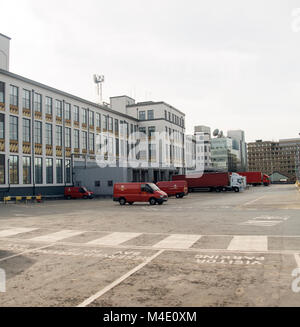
(212, 181)
(256, 178)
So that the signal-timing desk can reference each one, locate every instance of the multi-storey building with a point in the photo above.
(50, 139)
(224, 156)
(270, 157)
(204, 149)
(239, 144)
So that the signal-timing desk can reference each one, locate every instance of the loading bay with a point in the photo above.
(208, 249)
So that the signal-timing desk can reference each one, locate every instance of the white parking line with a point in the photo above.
(253, 201)
(15, 231)
(114, 238)
(119, 280)
(248, 243)
(54, 237)
(297, 258)
(177, 241)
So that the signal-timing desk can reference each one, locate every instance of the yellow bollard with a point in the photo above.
(18, 198)
(6, 199)
(28, 198)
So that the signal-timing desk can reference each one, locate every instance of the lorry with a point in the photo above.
(256, 178)
(177, 188)
(212, 181)
(138, 192)
(78, 193)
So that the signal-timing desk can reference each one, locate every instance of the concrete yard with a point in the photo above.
(208, 249)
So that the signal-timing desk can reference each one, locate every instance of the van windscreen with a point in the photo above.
(153, 187)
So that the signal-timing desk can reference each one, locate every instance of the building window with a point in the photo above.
(169, 116)
(13, 128)
(58, 108)
(26, 130)
(91, 142)
(98, 120)
(97, 183)
(2, 169)
(26, 170)
(151, 130)
(84, 116)
(49, 104)
(67, 111)
(38, 169)
(76, 113)
(116, 126)
(37, 102)
(49, 134)
(14, 95)
(150, 114)
(91, 118)
(110, 125)
(2, 92)
(166, 115)
(2, 126)
(58, 135)
(67, 137)
(59, 176)
(26, 99)
(76, 138)
(105, 123)
(68, 171)
(142, 130)
(13, 169)
(49, 170)
(84, 140)
(38, 132)
(142, 115)
(110, 183)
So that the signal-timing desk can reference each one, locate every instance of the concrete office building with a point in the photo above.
(50, 139)
(280, 157)
(239, 144)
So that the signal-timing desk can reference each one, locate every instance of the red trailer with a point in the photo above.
(256, 178)
(177, 188)
(210, 181)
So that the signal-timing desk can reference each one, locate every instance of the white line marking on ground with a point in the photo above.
(54, 237)
(177, 241)
(248, 243)
(297, 258)
(15, 231)
(25, 252)
(114, 238)
(253, 201)
(119, 280)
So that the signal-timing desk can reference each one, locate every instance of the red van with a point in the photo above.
(138, 192)
(177, 188)
(78, 193)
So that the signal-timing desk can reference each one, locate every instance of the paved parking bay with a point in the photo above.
(208, 249)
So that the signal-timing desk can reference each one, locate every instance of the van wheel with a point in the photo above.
(236, 189)
(218, 190)
(152, 201)
(85, 197)
(178, 196)
(122, 201)
(69, 197)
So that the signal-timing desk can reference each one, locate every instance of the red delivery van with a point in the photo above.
(256, 178)
(138, 192)
(78, 193)
(177, 188)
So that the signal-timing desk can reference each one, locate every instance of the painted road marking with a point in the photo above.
(265, 221)
(248, 243)
(119, 280)
(54, 237)
(15, 231)
(114, 239)
(177, 241)
(253, 201)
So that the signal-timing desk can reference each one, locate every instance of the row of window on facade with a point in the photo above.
(174, 119)
(14, 173)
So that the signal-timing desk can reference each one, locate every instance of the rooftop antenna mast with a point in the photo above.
(98, 80)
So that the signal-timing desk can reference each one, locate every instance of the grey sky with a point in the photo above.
(226, 64)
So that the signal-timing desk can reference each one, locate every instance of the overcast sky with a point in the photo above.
(227, 64)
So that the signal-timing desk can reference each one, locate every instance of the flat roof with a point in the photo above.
(74, 97)
(149, 103)
(122, 96)
(5, 36)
